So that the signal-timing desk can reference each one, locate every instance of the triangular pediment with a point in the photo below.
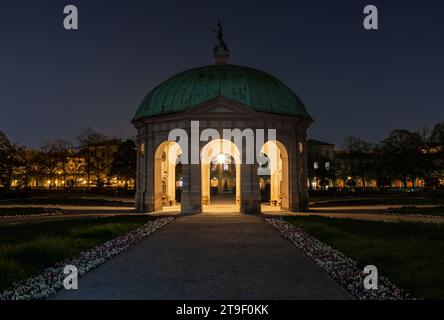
(220, 105)
(219, 108)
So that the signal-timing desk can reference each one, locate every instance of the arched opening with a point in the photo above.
(220, 169)
(167, 175)
(274, 175)
(222, 180)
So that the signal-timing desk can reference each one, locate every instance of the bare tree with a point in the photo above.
(359, 160)
(95, 161)
(8, 160)
(49, 160)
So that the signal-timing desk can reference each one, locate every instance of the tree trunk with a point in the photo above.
(404, 181)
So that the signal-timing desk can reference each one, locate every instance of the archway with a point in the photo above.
(275, 175)
(167, 175)
(223, 155)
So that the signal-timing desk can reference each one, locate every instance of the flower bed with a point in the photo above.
(341, 268)
(50, 280)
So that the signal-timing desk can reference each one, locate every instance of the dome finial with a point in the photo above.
(221, 51)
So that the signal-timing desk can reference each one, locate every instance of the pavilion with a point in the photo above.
(220, 97)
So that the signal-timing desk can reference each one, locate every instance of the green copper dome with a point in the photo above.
(254, 88)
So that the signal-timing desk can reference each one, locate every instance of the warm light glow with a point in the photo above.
(314, 184)
(221, 158)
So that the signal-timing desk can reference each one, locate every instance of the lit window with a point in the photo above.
(314, 183)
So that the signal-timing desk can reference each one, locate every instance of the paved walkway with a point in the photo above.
(210, 256)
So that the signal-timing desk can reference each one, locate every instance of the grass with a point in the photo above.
(21, 211)
(64, 201)
(410, 254)
(394, 200)
(432, 211)
(27, 249)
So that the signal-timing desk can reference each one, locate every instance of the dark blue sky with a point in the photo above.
(364, 83)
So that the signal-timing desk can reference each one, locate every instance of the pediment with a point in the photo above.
(220, 105)
(219, 108)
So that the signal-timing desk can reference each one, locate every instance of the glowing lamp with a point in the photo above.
(221, 158)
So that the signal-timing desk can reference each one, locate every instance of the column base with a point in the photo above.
(304, 202)
(142, 203)
(301, 205)
(147, 205)
(138, 201)
(190, 204)
(250, 206)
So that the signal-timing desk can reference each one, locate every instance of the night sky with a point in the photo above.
(54, 83)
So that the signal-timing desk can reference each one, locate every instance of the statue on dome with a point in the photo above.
(222, 46)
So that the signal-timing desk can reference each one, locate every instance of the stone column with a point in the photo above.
(250, 196)
(284, 185)
(298, 172)
(141, 167)
(171, 185)
(275, 181)
(220, 174)
(205, 183)
(238, 183)
(250, 193)
(303, 189)
(157, 180)
(274, 188)
(293, 173)
(150, 150)
(191, 200)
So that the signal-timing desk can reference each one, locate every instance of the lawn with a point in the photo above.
(27, 249)
(20, 211)
(371, 201)
(80, 201)
(410, 254)
(428, 211)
